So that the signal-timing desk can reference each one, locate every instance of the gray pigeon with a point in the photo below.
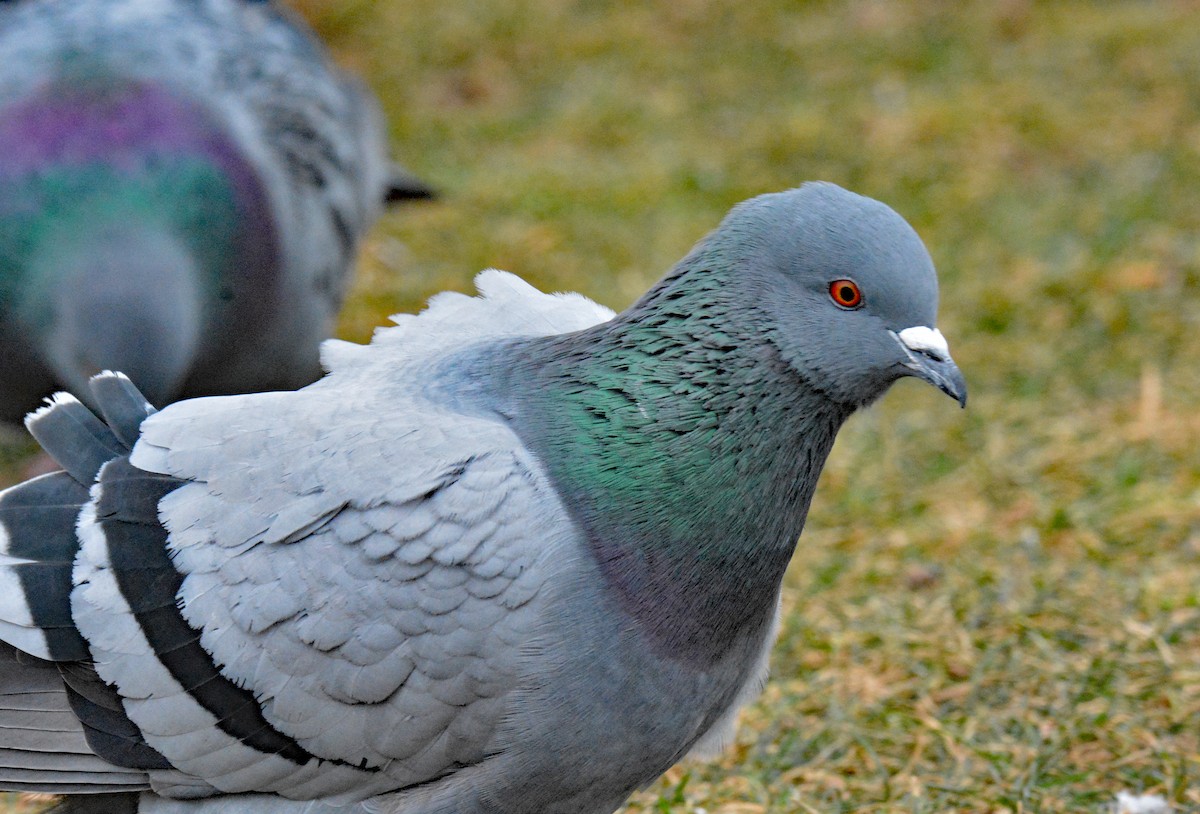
(183, 185)
(516, 555)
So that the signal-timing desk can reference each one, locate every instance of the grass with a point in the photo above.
(990, 611)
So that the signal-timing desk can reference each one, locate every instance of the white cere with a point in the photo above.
(925, 340)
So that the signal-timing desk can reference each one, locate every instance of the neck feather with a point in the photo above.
(687, 451)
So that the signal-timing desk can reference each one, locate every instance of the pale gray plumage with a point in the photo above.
(516, 555)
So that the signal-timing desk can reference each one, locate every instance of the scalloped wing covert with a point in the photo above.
(363, 561)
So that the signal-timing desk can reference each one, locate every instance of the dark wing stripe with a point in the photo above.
(74, 437)
(47, 597)
(38, 517)
(123, 406)
(127, 510)
(37, 511)
(108, 731)
(112, 736)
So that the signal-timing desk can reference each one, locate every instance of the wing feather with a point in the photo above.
(356, 560)
(43, 744)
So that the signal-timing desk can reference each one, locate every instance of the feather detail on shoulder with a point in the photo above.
(507, 307)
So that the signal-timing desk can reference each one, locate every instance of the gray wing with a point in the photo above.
(367, 578)
(329, 593)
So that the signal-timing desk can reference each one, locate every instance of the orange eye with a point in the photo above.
(846, 293)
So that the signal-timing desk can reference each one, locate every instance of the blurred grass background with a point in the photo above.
(993, 610)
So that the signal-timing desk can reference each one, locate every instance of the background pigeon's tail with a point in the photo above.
(404, 186)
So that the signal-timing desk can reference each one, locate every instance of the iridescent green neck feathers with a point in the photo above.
(686, 450)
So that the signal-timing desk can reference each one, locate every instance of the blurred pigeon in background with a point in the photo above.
(183, 187)
(516, 555)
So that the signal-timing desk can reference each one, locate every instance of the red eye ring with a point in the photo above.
(846, 293)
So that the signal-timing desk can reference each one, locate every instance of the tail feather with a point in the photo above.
(34, 736)
(52, 771)
(45, 747)
(83, 788)
(404, 186)
(123, 406)
(72, 435)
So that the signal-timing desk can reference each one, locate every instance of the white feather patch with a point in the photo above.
(28, 639)
(13, 607)
(16, 620)
(507, 306)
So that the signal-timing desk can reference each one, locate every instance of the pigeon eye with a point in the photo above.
(846, 293)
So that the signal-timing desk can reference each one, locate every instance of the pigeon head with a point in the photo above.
(687, 433)
(848, 290)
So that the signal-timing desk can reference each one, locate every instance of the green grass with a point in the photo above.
(991, 610)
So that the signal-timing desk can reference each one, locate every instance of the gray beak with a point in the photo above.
(929, 359)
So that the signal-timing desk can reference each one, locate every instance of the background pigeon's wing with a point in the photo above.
(339, 600)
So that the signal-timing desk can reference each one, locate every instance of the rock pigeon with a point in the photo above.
(518, 554)
(183, 185)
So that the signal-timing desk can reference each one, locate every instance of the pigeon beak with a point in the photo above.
(929, 359)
